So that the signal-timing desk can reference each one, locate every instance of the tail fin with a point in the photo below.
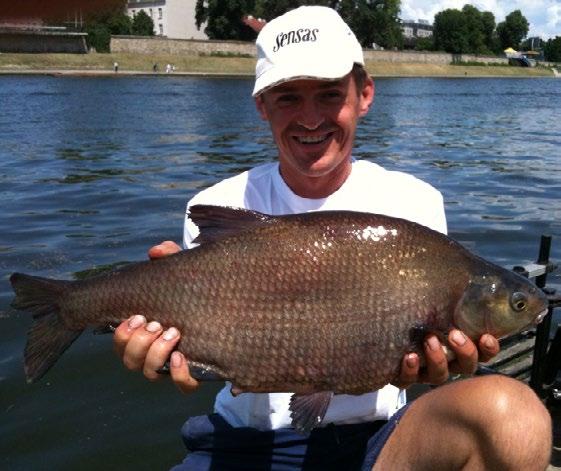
(48, 337)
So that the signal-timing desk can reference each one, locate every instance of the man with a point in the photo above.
(312, 89)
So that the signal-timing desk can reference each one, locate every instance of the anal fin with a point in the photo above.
(308, 410)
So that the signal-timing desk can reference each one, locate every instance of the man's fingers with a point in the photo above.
(138, 345)
(165, 248)
(465, 352)
(159, 352)
(488, 347)
(409, 371)
(437, 364)
(179, 371)
(124, 332)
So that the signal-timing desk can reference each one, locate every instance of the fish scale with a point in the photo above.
(315, 304)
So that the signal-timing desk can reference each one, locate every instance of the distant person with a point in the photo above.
(155, 68)
(116, 67)
(312, 89)
(168, 68)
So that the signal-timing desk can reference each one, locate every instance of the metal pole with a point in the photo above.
(542, 331)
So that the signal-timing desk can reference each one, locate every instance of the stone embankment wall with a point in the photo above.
(429, 57)
(194, 47)
(42, 41)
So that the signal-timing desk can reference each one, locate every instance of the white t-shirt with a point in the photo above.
(369, 188)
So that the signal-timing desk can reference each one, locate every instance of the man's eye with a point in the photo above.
(287, 99)
(333, 95)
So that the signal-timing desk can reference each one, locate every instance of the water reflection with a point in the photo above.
(95, 171)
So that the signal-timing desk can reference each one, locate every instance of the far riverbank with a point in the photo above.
(101, 64)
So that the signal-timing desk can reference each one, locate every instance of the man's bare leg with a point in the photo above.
(483, 423)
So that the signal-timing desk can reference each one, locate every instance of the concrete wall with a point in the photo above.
(429, 57)
(145, 45)
(193, 47)
(42, 41)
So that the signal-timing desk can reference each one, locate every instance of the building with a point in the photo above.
(30, 35)
(415, 30)
(174, 19)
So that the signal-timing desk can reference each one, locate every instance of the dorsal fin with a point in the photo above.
(217, 222)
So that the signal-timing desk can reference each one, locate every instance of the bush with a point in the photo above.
(98, 37)
(142, 24)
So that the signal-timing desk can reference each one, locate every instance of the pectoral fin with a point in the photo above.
(307, 411)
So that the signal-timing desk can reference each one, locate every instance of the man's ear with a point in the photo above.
(366, 96)
(260, 105)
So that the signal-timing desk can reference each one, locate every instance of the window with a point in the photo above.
(159, 13)
(161, 27)
(151, 13)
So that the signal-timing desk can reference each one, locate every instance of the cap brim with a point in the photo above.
(324, 70)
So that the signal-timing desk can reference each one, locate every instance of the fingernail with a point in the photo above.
(153, 326)
(170, 334)
(458, 338)
(136, 321)
(411, 360)
(433, 343)
(488, 342)
(176, 359)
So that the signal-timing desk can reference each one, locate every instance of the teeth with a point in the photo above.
(311, 139)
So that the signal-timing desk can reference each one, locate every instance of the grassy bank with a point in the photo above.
(140, 63)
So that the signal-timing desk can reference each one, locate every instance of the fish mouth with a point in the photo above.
(540, 316)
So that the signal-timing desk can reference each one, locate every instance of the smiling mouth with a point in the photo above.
(307, 140)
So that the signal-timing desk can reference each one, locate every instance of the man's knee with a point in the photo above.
(490, 422)
(510, 425)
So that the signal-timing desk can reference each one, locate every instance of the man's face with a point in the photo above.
(313, 124)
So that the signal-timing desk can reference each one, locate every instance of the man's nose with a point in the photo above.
(310, 115)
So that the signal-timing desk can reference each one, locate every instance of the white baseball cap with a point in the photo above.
(308, 42)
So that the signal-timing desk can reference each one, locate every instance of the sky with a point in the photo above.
(544, 16)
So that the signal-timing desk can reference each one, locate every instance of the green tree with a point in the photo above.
(465, 31)
(119, 24)
(224, 18)
(450, 32)
(98, 37)
(142, 24)
(512, 30)
(488, 29)
(480, 27)
(374, 21)
(269, 9)
(552, 49)
(424, 44)
(102, 23)
(371, 20)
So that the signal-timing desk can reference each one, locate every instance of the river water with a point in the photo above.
(94, 171)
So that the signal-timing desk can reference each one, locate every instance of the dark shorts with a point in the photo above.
(215, 445)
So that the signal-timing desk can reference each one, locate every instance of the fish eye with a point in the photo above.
(518, 301)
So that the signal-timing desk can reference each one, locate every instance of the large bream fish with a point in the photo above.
(314, 304)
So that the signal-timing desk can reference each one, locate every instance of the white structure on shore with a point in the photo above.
(174, 19)
(416, 29)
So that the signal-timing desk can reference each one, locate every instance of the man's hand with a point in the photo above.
(146, 346)
(437, 369)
